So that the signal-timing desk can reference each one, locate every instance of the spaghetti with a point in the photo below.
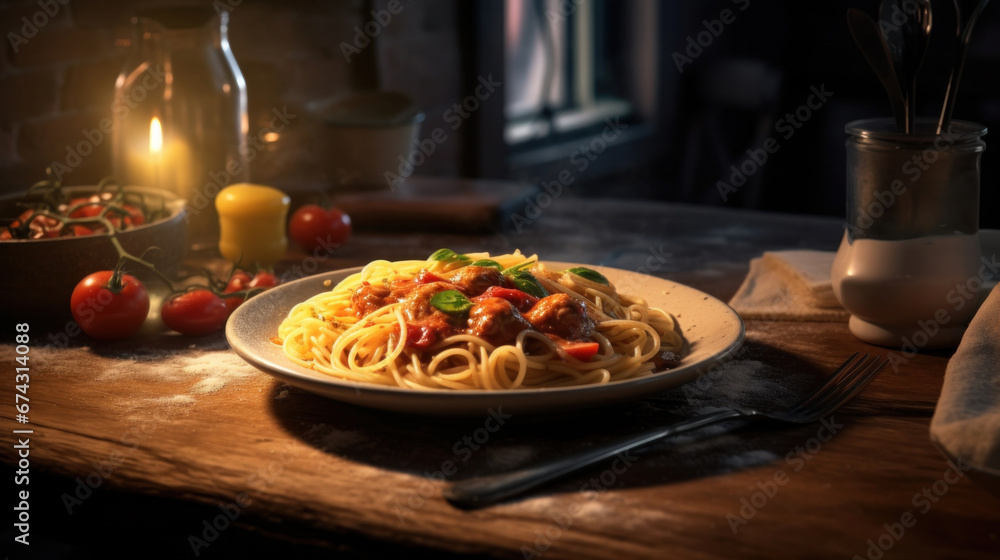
(478, 322)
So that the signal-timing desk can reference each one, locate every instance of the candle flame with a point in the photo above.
(155, 136)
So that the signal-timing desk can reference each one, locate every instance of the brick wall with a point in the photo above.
(57, 75)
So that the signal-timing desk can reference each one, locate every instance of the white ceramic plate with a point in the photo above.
(712, 329)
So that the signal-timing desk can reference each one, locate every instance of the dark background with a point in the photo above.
(694, 124)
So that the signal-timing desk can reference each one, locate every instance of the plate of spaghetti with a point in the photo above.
(457, 334)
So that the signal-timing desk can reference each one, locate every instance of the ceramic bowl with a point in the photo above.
(365, 136)
(40, 274)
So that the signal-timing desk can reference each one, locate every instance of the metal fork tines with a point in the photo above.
(842, 385)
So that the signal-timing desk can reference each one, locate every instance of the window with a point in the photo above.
(564, 66)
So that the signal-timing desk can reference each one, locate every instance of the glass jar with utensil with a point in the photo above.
(908, 268)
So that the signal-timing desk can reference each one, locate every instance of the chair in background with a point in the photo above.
(732, 105)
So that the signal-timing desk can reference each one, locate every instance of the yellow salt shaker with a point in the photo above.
(252, 224)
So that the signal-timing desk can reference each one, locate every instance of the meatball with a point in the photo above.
(474, 280)
(417, 303)
(496, 321)
(561, 315)
(425, 324)
(368, 298)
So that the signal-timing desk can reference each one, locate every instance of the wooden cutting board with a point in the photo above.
(436, 204)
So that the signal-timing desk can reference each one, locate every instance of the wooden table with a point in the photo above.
(143, 445)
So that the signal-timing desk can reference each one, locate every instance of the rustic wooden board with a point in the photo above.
(430, 204)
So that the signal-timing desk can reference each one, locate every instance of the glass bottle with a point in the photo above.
(179, 116)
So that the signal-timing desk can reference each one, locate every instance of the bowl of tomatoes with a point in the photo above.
(52, 239)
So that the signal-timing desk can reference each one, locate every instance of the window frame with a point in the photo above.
(650, 90)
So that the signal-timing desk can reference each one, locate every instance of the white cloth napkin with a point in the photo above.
(966, 423)
(789, 286)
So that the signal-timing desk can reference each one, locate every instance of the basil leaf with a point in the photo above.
(442, 255)
(518, 267)
(448, 256)
(589, 274)
(527, 283)
(488, 263)
(451, 302)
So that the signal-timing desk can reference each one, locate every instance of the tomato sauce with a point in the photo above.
(499, 312)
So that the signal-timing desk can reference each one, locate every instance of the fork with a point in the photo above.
(845, 382)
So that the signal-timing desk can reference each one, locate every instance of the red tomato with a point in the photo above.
(522, 301)
(197, 312)
(263, 280)
(132, 217)
(582, 351)
(40, 227)
(83, 231)
(88, 211)
(106, 313)
(420, 336)
(135, 216)
(237, 282)
(313, 227)
(427, 278)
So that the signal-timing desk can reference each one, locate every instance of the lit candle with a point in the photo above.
(252, 224)
(155, 136)
(156, 153)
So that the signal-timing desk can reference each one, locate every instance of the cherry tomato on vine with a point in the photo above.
(41, 227)
(132, 216)
(108, 309)
(89, 211)
(239, 281)
(312, 227)
(196, 312)
(135, 216)
(263, 279)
